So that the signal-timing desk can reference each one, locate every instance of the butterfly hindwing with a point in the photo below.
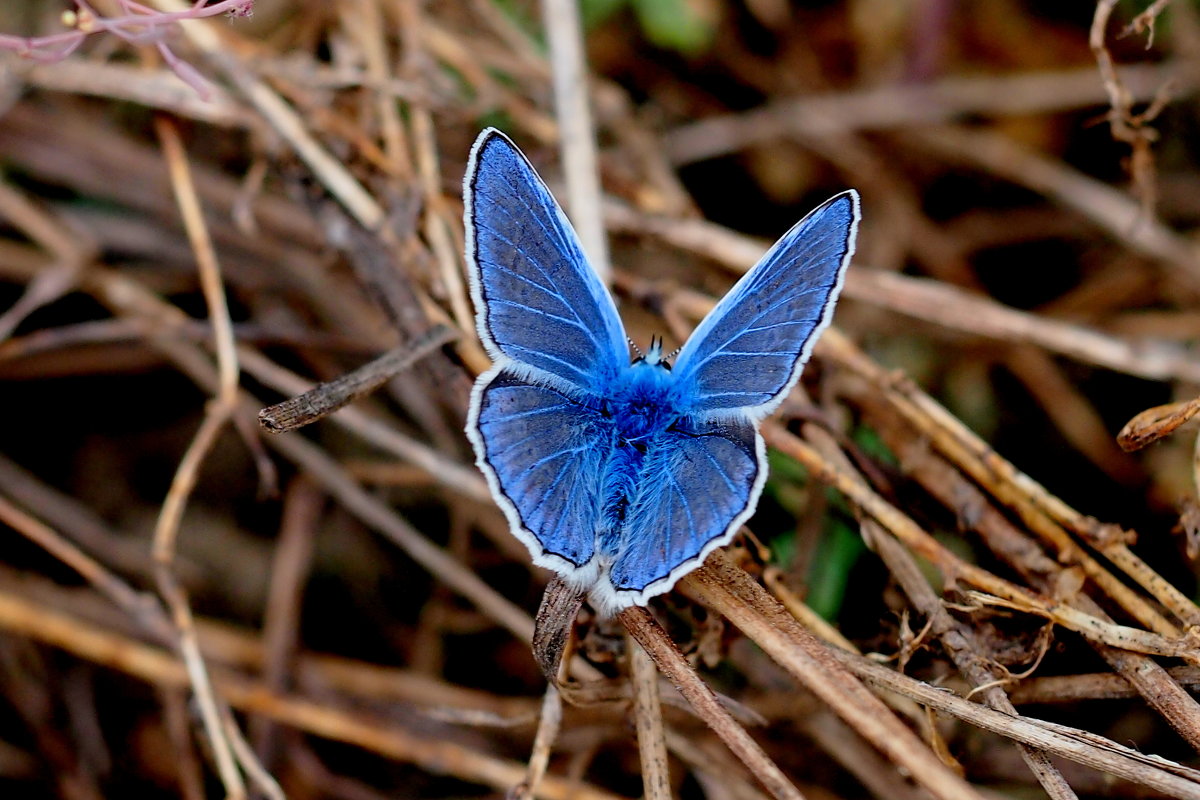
(542, 451)
(537, 300)
(700, 482)
(749, 350)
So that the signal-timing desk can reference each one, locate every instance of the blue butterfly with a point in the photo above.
(622, 477)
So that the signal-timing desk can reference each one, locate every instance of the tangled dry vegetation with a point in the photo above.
(205, 217)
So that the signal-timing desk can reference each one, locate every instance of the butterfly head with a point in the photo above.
(653, 357)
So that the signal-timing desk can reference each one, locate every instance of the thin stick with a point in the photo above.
(164, 550)
(81, 638)
(179, 729)
(206, 259)
(549, 724)
(731, 591)
(1089, 686)
(290, 566)
(217, 414)
(1154, 423)
(643, 627)
(264, 780)
(910, 105)
(325, 398)
(727, 589)
(958, 640)
(564, 32)
(647, 711)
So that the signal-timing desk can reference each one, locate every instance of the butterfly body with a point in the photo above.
(642, 401)
(622, 476)
(642, 409)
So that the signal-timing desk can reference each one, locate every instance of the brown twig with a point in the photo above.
(958, 640)
(908, 105)
(549, 725)
(1125, 125)
(577, 139)
(1154, 423)
(219, 413)
(303, 502)
(727, 589)
(324, 399)
(643, 627)
(647, 712)
(746, 603)
(155, 666)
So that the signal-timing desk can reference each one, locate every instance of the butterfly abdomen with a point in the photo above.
(619, 484)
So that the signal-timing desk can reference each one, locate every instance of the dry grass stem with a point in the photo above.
(663, 652)
(219, 412)
(741, 599)
(577, 138)
(319, 401)
(548, 727)
(724, 587)
(909, 106)
(957, 639)
(647, 711)
(156, 666)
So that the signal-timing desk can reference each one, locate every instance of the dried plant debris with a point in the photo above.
(971, 572)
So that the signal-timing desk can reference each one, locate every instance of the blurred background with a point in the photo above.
(1027, 257)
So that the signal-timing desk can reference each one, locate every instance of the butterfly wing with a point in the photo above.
(700, 482)
(537, 301)
(541, 450)
(748, 352)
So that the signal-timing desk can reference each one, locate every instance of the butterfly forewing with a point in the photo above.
(543, 451)
(749, 350)
(537, 300)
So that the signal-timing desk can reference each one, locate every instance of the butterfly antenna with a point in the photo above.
(633, 344)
